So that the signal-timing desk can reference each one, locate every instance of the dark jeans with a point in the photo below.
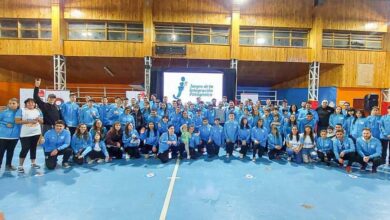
(76, 159)
(72, 130)
(147, 148)
(274, 153)
(258, 149)
(244, 148)
(114, 151)
(51, 161)
(212, 149)
(9, 146)
(93, 155)
(229, 148)
(328, 154)
(29, 144)
(133, 152)
(351, 157)
(385, 146)
(164, 156)
(376, 161)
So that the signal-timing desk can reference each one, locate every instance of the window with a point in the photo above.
(29, 29)
(192, 34)
(273, 37)
(114, 31)
(352, 40)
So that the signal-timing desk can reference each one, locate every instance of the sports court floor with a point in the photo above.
(200, 189)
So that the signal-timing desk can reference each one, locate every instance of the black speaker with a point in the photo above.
(171, 50)
(370, 100)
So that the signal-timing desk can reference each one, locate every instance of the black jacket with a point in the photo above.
(51, 113)
(324, 115)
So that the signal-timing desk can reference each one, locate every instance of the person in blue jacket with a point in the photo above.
(259, 135)
(150, 137)
(385, 134)
(98, 127)
(308, 143)
(131, 142)
(369, 149)
(274, 144)
(216, 138)
(325, 147)
(104, 109)
(116, 110)
(267, 119)
(9, 133)
(185, 119)
(70, 113)
(89, 114)
(373, 122)
(167, 144)
(194, 142)
(163, 125)
(244, 136)
(80, 142)
(286, 130)
(344, 149)
(197, 120)
(57, 142)
(308, 121)
(175, 119)
(230, 131)
(304, 112)
(126, 117)
(210, 114)
(153, 117)
(97, 151)
(204, 131)
(357, 125)
(337, 117)
(256, 116)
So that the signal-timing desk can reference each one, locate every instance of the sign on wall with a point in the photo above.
(62, 96)
(365, 74)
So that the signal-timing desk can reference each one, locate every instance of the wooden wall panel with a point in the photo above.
(277, 54)
(25, 9)
(126, 10)
(25, 47)
(204, 51)
(355, 14)
(103, 48)
(277, 13)
(192, 11)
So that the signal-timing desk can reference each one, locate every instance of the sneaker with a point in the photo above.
(65, 165)
(35, 166)
(188, 157)
(10, 168)
(288, 158)
(348, 169)
(254, 159)
(20, 169)
(127, 157)
(241, 156)
(227, 156)
(89, 160)
(146, 156)
(100, 161)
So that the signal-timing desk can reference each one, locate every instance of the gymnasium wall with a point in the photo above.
(298, 95)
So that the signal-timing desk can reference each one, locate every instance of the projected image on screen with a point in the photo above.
(189, 86)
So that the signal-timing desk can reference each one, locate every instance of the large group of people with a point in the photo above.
(102, 132)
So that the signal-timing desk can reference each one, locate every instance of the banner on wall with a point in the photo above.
(134, 94)
(253, 96)
(61, 96)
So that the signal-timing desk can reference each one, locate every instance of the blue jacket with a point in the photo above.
(58, 141)
(216, 135)
(230, 131)
(205, 131)
(163, 145)
(345, 146)
(87, 117)
(151, 138)
(267, 122)
(80, 143)
(114, 114)
(286, 130)
(385, 127)
(272, 141)
(70, 113)
(186, 121)
(371, 148)
(124, 119)
(304, 122)
(249, 118)
(324, 144)
(255, 118)
(163, 127)
(373, 122)
(154, 119)
(302, 114)
(197, 120)
(8, 117)
(337, 119)
(175, 119)
(103, 112)
(260, 135)
(93, 133)
(210, 115)
(195, 140)
(129, 141)
(244, 134)
(356, 128)
(348, 122)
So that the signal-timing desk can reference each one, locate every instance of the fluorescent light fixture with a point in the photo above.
(371, 26)
(239, 2)
(174, 37)
(75, 13)
(108, 71)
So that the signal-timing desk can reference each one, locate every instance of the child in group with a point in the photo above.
(150, 138)
(185, 138)
(325, 148)
(308, 145)
(98, 151)
(131, 142)
(330, 132)
(294, 147)
(194, 141)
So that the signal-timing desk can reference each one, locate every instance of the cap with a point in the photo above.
(51, 96)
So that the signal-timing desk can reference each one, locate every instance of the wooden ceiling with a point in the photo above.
(130, 70)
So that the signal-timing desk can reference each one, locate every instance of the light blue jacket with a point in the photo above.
(371, 148)
(260, 135)
(70, 113)
(78, 143)
(194, 141)
(129, 141)
(373, 122)
(87, 117)
(8, 117)
(356, 128)
(163, 145)
(216, 135)
(54, 140)
(324, 144)
(273, 141)
(385, 127)
(230, 131)
(337, 119)
(205, 131)
(150, 139)
(103, 112)
(345, 146)
(102, 146)
(244, 134)
(124, 119)
(114, 114)
(304, 122)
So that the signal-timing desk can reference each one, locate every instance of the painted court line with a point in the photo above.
(164, 210)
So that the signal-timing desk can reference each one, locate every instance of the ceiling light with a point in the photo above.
(239, 2)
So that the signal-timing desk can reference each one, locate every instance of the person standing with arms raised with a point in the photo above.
(51, 113)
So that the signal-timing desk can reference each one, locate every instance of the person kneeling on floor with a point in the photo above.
(344, 149)
(167, 144)
(81, 141)
(97, 151)
(57, 142)
(369, 149)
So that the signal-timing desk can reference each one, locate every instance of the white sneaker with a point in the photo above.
(146, 156)
(100, 161)
(254, 159)
(241, 156)
(90, 161)
(20, 169)
(127, 157)
(227, 155)
(289, 158)
(188, 157)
